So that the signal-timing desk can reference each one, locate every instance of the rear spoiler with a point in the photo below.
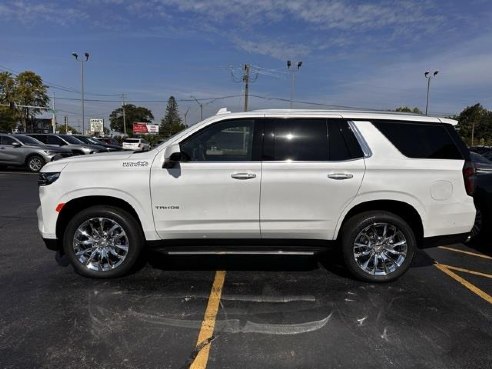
(453, 122)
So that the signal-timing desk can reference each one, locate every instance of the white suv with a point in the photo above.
(379, 184)
(135, 144)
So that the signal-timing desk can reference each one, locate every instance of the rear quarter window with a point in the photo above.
(421, 140)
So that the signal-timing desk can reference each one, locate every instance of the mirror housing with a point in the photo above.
(16, 144)
(172, 156)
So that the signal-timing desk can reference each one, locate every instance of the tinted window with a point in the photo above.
(309, 140)
(224, 141)
(71, 139)
(420, 140)
(342, 142)
(301, 140)
(53, 140)
(41, 138)
(28, 140)
(6, 140)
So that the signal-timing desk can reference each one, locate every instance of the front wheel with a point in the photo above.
(378, 246)
(103, 242)
(35, 163)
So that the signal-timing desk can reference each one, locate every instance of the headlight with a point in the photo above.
(47, 178)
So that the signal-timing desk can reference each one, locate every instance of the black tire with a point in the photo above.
(124, 222)
(477, 233)
(35, 163)
(368, 226)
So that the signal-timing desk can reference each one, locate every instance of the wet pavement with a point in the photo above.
(273, 312)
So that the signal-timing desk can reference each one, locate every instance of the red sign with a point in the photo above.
(139, 127)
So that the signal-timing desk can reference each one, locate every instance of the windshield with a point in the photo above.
(26, 140)
(83, 139)
(94, 141)
(71, 139)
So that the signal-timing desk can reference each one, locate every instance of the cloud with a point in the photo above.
(29, 12)
(275, 49)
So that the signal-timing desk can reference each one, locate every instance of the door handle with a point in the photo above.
(243, 176)
(339, 176)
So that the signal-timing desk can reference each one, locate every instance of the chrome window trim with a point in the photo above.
(360, 139)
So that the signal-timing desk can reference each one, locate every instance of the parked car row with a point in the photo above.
(482, 196)
(23, 150)
(34, 150)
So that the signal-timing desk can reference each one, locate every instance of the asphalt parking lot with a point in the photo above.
(235, 312)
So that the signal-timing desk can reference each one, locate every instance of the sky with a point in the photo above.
(362, 54)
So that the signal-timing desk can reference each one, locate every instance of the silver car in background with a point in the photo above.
(67, 141)
(22, 150)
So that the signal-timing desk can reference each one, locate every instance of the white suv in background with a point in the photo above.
(135, 144)
(379, 184)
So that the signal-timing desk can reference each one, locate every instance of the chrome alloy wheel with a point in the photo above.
(100, 244)
(35, 164)
(380, 249)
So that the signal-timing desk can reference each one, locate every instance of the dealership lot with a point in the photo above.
(247, 311)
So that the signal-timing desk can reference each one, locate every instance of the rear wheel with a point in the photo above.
(103, 242)
(377, 246)
(35, 163)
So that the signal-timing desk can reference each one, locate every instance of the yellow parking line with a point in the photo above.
(465, 252)
(208, 324)
(467, 271)
(465, 283)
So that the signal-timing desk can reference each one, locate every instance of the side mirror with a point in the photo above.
(172, 156)
(16, 144)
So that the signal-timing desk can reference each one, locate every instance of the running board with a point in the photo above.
(279, 252)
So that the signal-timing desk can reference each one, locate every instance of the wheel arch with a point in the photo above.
(404, 210)
(80, 203)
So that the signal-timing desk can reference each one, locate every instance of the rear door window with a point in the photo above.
(307, 139)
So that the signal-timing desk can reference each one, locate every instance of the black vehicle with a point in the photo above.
(482, 195)
(92, 141)
(485, 151)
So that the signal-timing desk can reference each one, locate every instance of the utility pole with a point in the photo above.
(185, 114)
(124, 114)
(246, 85)
(66, 124)
(201, 107)
(53, 119)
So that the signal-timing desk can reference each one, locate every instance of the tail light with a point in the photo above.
(469, 177)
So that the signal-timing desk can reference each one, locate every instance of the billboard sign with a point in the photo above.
(96, 125)
(144, 128)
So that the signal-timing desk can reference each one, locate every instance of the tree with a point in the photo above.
(475, 123)
(132, 114)
(406, 109)
(171, 123)
(8, 114)
(29, 91)
(64, 129)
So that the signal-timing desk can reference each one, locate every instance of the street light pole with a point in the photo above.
(429, 76)
(292, 72)
(82, 61)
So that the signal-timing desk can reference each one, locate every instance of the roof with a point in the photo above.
(337, 113)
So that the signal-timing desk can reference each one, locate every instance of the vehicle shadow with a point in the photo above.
(330, 260)
(483, 246)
